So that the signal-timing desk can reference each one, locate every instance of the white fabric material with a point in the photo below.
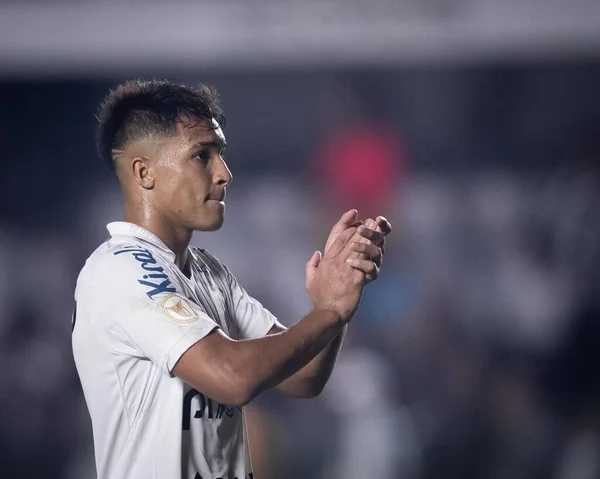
(136, 314)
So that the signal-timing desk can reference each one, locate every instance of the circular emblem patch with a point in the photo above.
(179, 309)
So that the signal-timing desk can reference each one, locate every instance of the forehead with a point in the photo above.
(200, 131)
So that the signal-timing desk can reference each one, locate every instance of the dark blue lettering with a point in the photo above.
(131, 250)
(152, 268)
(220, 411)
(149, 263)
(187, 406)
(206, 406)
(210, 411)
(200, 412)
(158, 288)
(155, 276)
(145, 257)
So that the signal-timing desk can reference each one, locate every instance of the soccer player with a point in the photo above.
(168, 346)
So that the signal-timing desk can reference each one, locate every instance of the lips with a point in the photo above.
(217, 198)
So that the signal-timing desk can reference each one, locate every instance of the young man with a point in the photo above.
(168, 346)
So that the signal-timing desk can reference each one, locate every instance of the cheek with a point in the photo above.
(183, 187)
(189, 192)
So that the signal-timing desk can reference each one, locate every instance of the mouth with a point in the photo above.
(219, 198)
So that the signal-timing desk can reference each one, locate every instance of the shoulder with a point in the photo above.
(124, 265)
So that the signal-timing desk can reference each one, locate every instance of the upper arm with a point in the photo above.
(156, 322)
(210, 366)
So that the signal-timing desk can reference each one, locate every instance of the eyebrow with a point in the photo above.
(217, 144)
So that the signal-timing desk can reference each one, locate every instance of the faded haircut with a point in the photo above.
(137, 109)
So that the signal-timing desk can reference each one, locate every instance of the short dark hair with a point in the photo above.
(138, 108)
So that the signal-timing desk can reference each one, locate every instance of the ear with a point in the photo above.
(142, 172)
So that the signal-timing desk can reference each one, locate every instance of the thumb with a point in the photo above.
(315, 259)
(348, 219)
(311, 266)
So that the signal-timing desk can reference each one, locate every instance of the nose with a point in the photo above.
(221, 175)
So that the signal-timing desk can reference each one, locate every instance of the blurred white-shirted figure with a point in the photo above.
(168, 346)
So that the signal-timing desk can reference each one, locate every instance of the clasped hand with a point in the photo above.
(352, 257)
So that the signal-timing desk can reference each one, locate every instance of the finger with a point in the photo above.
(315, 259)
(364, 265)
(382, 245)
(369, 251)
(311, 267)
(384, 225)
(369, 223)
(376, 237)
(338, 244)
(348, 219)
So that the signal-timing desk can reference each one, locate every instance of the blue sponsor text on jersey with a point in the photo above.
(156, 278)
(207, 409)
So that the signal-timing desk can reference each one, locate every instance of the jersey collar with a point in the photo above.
(122, 228)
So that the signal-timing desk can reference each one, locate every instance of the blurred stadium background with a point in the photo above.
(473, 125)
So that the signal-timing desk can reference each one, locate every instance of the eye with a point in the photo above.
(203, 156)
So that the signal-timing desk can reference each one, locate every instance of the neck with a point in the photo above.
(177, 238)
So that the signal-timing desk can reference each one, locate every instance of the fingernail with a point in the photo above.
(350, 260)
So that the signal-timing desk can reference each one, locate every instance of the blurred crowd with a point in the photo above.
(475, 353)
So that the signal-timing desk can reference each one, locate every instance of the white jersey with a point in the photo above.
(136, 314)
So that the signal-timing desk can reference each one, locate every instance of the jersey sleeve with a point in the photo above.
(139, 305)
(253, 320)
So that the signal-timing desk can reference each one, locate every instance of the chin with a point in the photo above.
(213, 225)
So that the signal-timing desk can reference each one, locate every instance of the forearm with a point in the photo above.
(269, 361)
(311, 379)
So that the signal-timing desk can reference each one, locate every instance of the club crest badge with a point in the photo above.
(179, 309)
